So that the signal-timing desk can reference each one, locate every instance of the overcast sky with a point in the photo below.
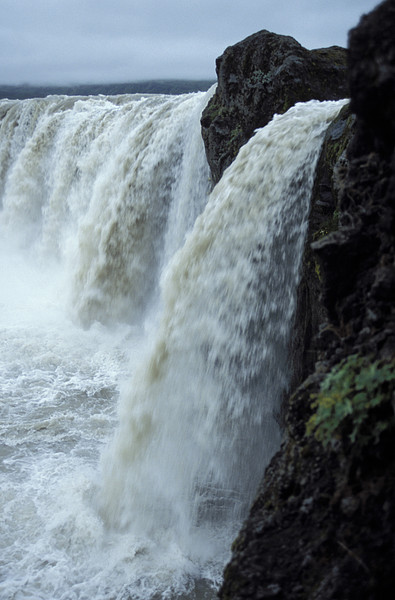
(103, 41)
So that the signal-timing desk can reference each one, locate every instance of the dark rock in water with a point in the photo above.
(323, 525)
(258, 77)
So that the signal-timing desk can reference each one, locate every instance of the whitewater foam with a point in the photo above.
(186, 304)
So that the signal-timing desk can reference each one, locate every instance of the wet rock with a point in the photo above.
(307, 505)
(265, 74)
(372, 76)
(271, 591)
(324, 517)
(349, 505)
(312, 332)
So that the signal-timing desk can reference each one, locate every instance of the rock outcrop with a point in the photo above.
(258, 77)
(323, 525)
(311, 312)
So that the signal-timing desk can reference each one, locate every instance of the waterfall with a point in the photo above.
(145, 322)
(93, 180)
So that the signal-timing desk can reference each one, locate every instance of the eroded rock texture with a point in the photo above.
(311, 312)
(323, 525)
(258, 77)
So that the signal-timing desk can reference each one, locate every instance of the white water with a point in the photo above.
(123, 284)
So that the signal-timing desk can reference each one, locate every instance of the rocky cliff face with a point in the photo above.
(323, 525)
(310, 329)
(263, 75)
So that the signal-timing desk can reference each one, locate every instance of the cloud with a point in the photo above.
(71, 41)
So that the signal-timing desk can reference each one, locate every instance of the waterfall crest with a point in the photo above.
(218, 366)
(185, 297)
(93, 181)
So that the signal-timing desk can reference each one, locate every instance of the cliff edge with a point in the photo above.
(322, 526)
(265, 74)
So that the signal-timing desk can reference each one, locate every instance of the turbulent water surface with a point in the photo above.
(144, 323)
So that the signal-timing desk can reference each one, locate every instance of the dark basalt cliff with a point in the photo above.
(323, 525)
(263, 75)
(310, 328)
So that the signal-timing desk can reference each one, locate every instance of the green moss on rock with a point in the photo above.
(354, 401)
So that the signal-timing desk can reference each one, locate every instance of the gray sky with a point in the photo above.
(94, 41)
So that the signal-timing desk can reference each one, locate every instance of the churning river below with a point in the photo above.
(144, 327)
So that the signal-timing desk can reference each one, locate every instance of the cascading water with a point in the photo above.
(124, 282)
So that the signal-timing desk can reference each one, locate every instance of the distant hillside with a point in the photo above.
(161, 86)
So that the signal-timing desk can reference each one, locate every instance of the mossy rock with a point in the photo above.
(354, 403)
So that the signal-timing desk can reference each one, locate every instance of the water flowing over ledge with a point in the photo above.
(186, 302)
